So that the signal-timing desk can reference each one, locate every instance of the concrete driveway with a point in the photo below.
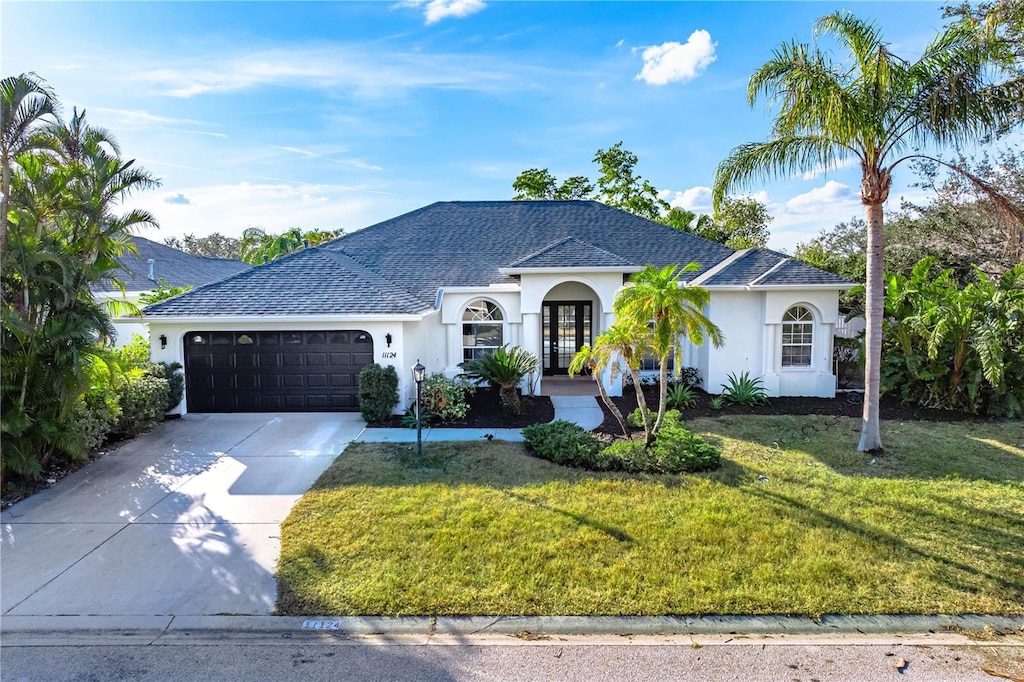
(182, 521)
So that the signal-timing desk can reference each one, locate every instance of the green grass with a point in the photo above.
(795, 522)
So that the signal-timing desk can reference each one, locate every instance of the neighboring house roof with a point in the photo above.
(177, 268)
(398, 266)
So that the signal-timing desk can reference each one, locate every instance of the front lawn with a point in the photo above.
(795, 522)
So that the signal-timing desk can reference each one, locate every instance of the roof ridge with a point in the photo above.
(721, 265)
(375, 278)
(770, 270)
(541, 250)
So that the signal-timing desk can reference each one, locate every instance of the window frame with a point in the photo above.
(804, 327)
(470, 320)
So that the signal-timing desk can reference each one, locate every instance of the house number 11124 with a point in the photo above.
(389, 355)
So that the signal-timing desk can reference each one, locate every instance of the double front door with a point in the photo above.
(567, 327)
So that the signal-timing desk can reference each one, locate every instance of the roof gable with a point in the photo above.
(570, 252)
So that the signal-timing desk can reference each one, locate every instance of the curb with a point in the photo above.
(54, 630)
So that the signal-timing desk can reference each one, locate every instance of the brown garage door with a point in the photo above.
(292, 371)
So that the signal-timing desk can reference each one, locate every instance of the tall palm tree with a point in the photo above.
(876, 109)
(595, 359)
(25, 102)
(660, 298)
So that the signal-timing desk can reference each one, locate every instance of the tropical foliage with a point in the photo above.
(877, 110)
(955, 347)
(62, 233)
(503, 368)
(744, 390)
(258, 246)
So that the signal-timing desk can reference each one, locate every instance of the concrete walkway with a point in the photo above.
(578, 409)
(183, 520)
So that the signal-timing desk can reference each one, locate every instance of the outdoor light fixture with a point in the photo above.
(387, 337)
(419, 373)
(163, 341)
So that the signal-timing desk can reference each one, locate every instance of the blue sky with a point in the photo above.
(344, 114)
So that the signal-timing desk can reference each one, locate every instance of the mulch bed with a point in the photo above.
(486, 412)
(841, 406)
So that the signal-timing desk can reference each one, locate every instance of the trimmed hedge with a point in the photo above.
(567, 444)
(378, 392)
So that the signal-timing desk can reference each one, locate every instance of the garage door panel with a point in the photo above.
(248, 371)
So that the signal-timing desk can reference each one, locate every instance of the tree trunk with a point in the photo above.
(606, 399)
(510, 399)
(662, 392)
(874, 306)
(641, 402)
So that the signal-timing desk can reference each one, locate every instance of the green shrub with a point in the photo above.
(688, 376)
(743, 390)
(444, 399)
(565, 443)
(94, 416)
(134, 354)
(143, 401)
(675, 450)
(175, 381)
(378, 392)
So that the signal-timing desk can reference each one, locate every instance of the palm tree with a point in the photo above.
(660, 298)
(876, 109)
(25, 101)
(505, 367)
(596, 359)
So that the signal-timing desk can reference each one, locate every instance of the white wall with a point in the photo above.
(425, 341)
(752, 324)
(125, 329)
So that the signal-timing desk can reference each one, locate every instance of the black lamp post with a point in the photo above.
(419, 373)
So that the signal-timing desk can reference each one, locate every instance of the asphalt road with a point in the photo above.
(506, 658)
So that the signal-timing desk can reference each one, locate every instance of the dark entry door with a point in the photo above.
(264, 371)
(567, 328)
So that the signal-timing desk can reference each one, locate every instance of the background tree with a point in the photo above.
(876, 108)
(213, 245)
(257, 246)
(538, 184)
(619, 186)
(739, 223)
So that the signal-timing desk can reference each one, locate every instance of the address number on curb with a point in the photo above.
(321, 625)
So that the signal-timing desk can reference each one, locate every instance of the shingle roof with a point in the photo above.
(309, 282)
(746, 268)
(794, 272)
(177, 268)
(397, 266)
(570, 252)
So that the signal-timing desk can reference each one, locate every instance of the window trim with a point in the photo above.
(811, 321)
(493, 309)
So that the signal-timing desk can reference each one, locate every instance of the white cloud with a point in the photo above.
(696, 199)
(442, 9)
(831, 194)
(436, 10)
(673, 62)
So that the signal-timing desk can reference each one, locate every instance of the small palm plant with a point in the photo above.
(744, 390)
(504, 368)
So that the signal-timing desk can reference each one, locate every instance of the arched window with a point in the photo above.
(797, 337)
(481, 329)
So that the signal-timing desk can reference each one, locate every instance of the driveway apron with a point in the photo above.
(181, 521)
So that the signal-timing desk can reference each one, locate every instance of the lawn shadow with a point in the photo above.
(610, 531)
(985, 539)
(914, 450)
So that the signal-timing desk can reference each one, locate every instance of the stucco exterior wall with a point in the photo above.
(752, 324)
